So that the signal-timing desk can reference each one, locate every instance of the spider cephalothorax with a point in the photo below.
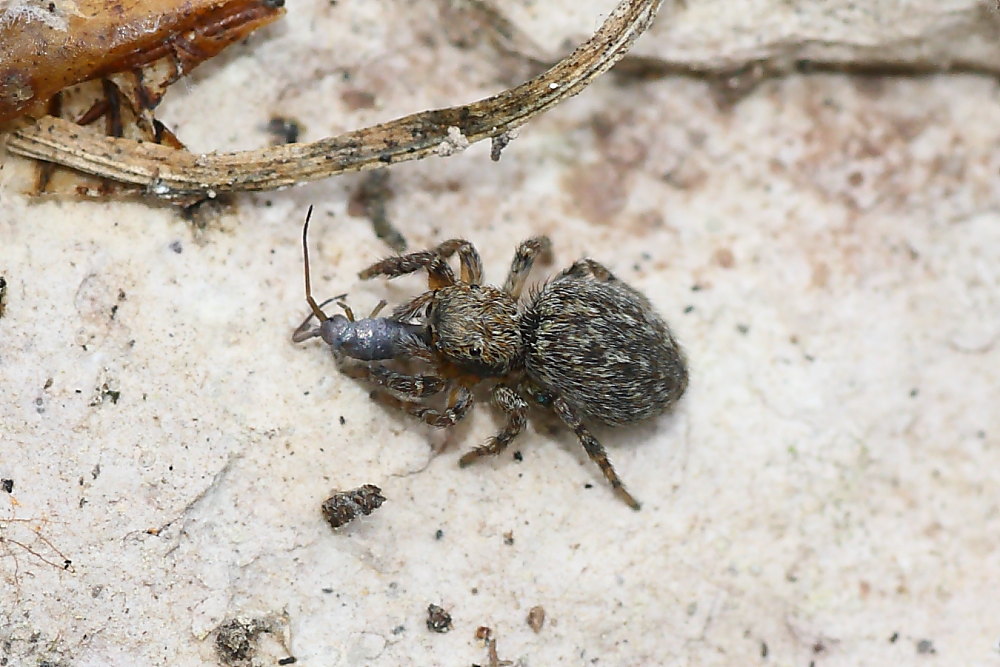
(584, 345)
(476, 328)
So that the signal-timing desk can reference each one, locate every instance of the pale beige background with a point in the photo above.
(827, 248)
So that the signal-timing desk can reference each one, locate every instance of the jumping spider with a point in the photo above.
(584, 345)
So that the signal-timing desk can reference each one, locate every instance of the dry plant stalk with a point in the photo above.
(176, 174)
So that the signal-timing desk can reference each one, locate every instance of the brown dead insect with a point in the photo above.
(345, 506)
(584, 345)
(48, 46)
(113, 60)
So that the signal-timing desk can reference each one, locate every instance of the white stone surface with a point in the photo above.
(828, 250)
(718, 34)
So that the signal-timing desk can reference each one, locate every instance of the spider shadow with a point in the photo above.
(616, 439)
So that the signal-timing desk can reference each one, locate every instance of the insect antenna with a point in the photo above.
(303, 332)
(316, 309)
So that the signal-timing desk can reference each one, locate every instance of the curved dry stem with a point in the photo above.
(176, 174)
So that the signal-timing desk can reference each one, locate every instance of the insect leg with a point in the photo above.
(303, 332)
(516, 408)
(348, 312)
(524, 258)
(595, 450)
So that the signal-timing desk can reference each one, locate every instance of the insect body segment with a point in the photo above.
(369, 339)
(585, 345)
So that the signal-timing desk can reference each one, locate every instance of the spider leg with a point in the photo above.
(459, 403)
(418, 350)
(468, 258)
(439, 274)
(508, 400)
(406, 313)
(400, 385)
(409, 310)
(588, 268)
(524, 258)
(595, 450)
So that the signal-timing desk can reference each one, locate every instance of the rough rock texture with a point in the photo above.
(716, 34)
(826, 246)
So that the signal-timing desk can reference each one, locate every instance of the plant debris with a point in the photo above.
(345, 506)
(236, 639)
(175, 174)
(536, 618)
(486, 635)
(106, 64)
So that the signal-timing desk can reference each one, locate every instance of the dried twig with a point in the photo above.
(175, 174)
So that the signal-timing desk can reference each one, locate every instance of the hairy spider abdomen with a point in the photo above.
(600, 346)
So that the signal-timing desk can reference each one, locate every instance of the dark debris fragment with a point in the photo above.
(438, 620)
(498, 143)
(343, 507)
(284, 130)
(105, 393)
(370, 200)
(236, 640)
